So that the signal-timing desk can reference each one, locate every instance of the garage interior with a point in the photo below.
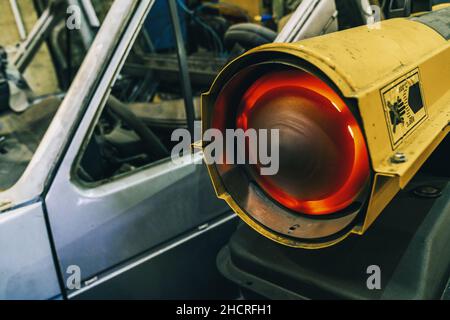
(96, 95)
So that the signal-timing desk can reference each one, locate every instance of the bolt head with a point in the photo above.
(399, 157)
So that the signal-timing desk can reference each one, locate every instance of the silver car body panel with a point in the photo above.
(100, 227)
(27, 269)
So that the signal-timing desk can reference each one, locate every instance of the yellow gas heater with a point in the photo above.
(358, 112)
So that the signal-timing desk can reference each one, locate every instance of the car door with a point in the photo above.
(27, 269)
(151, 233)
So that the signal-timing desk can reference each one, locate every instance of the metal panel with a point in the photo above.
(182, 269)
(102, 227)
(27, 270)
(97, 229)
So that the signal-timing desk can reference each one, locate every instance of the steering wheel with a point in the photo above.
(153, 145)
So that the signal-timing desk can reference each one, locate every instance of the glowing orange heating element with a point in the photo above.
(324, 164)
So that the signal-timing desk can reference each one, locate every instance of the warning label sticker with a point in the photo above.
(404, 106)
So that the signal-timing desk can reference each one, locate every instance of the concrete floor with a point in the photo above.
(40, 74)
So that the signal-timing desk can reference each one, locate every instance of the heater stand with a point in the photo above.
(410, 243)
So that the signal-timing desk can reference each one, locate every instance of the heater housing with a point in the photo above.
(394, 78)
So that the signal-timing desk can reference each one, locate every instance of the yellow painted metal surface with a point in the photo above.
(252, 7)
(372, 66)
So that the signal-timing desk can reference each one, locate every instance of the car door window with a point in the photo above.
(147, 102)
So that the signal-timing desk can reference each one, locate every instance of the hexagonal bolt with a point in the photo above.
(399, 157)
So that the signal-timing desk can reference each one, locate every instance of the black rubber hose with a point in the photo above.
(153, 145)
(248, 35)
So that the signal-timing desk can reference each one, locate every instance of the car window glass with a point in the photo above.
(147, 102)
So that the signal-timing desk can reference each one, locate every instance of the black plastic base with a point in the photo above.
(410, 243)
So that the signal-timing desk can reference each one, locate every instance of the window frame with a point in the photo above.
(187, 96)
(84, 91)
